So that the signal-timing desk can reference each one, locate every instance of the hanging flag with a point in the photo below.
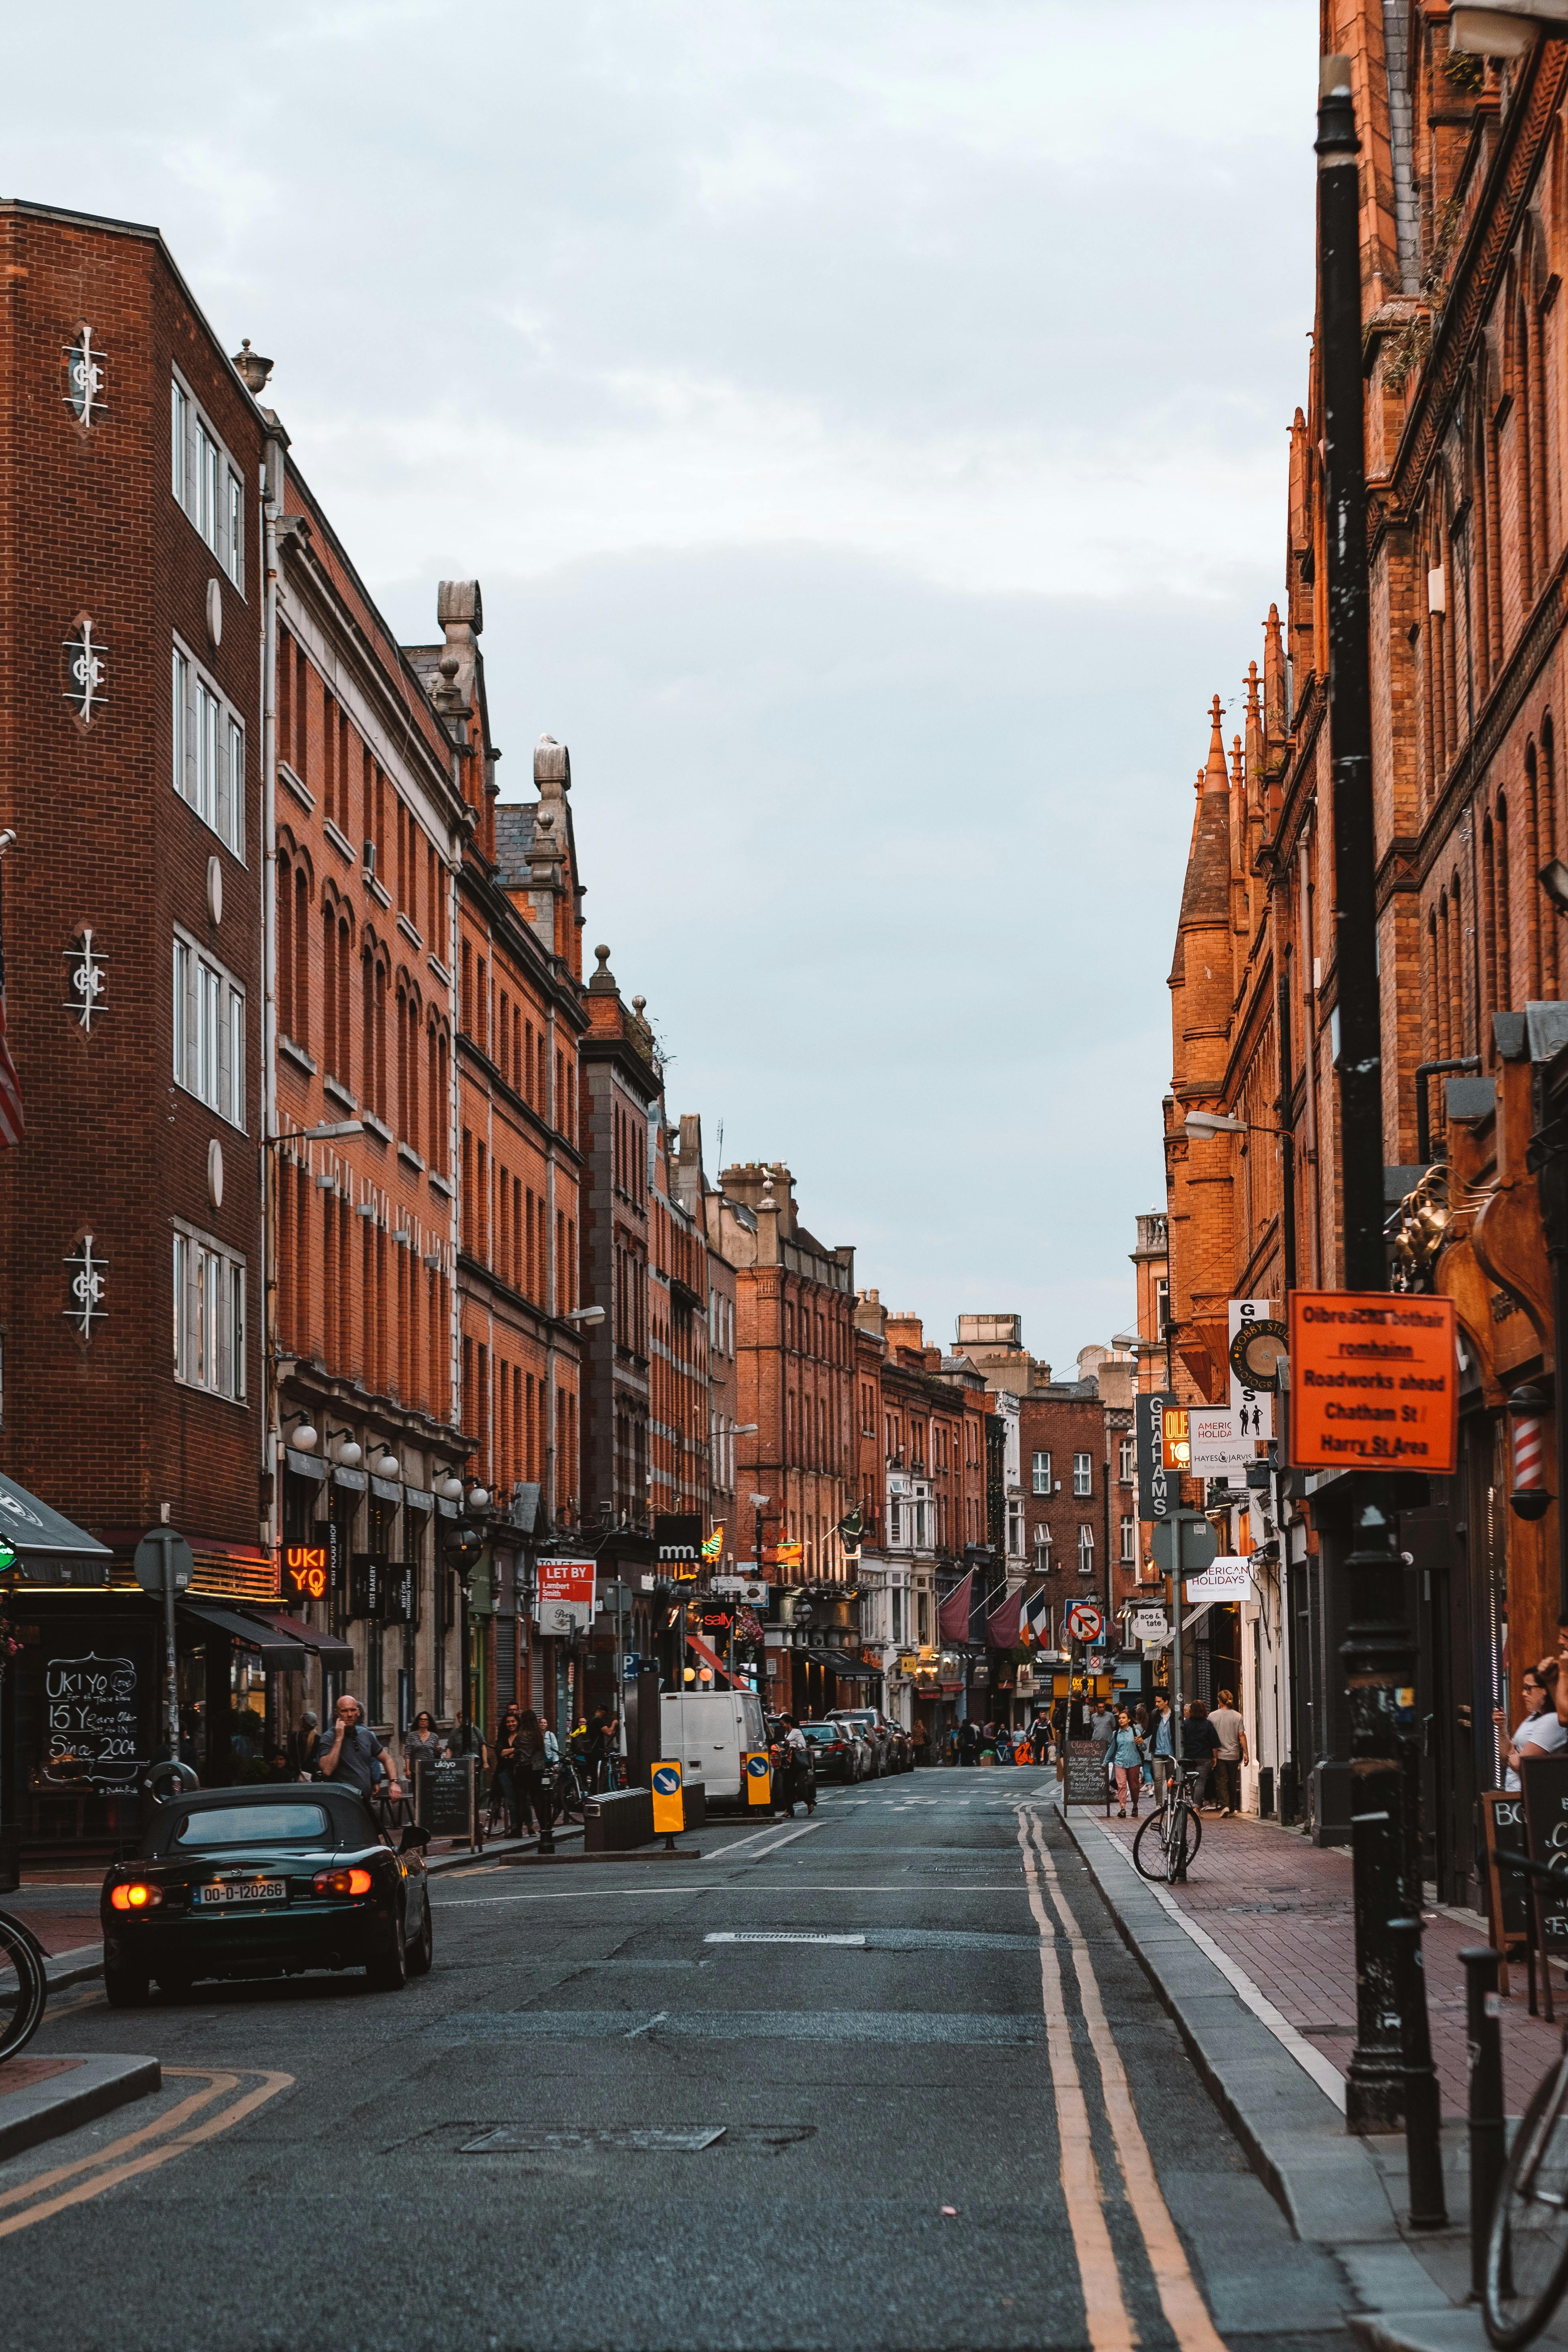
(1037, 1611)
(13, 1120)
(953, 1618)
(852, 1525)
(1001, 1626)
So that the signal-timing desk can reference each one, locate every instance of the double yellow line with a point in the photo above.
(1111, 2328)
(140, 2151)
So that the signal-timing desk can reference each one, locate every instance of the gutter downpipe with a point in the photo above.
(272, 501)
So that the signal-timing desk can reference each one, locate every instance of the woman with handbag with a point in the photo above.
(531, 1773)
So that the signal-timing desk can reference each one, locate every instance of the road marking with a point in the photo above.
(788, 1839)
(719, 1851)
(777, 1936)
(217, 2085)
(1179, 2296)
(638, 2029)
(1105, 2315)
(804, 1889)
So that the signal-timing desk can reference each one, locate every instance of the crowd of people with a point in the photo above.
(1137, 1747)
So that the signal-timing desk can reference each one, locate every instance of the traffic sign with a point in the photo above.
(669, 1806)
(1086, 1620)
(1375, 1381)
(759, 1777)
(164, 1561)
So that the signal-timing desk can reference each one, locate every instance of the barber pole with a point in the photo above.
(1530, 1498)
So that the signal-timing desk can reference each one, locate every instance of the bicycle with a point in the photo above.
(24, 1985)
(569, 1792)
(1172, 1834)
(1527, 2244)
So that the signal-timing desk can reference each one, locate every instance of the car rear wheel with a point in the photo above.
(125, 1987)
(389, 1973)
(422, 1951)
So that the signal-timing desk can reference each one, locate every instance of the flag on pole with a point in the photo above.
(1036, 1609)
(953, 1618)
(1001, 1626)
(13, 1120)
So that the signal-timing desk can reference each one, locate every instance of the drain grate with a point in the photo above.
(529, 2139)
(781, 1936)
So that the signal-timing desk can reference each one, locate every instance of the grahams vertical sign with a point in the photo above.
(1375, 1381)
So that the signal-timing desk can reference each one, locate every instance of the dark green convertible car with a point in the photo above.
(265, 1881)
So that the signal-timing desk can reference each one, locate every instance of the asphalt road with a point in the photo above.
(948, 2113)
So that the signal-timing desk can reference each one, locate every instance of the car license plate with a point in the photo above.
(244, 1890)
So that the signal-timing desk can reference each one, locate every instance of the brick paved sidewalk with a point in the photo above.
(1279, 1907)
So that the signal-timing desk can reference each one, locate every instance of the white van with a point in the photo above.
(707, 1733)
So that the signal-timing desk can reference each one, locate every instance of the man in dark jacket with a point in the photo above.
(1200, 1741)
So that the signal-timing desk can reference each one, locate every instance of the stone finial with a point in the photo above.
(604, 980)
(253, 368)
(639, 1005)
(767, 1200)
(1215, 776)
(460, 601)
(460, 611)
(551, 765)
(1238, 773)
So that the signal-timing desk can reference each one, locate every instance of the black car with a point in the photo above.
(260, 1882)
(833, 1749)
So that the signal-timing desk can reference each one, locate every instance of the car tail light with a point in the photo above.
(343, 1882)
(137, 1896)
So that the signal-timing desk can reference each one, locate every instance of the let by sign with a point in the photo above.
(307, 1572)
(1375, 1381)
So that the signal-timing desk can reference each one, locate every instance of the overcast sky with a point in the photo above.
(866, 419)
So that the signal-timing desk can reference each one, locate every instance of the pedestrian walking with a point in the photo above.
(1199, 1741)
(918, 1738)
(356, 1755)
(300, 1747)
(1231, 1754)
(968, 1741)
(533, 1769)
(1127, 1745)
(1161, 1749)
(1103, 1731)
(422, 1744)
(800, 1778)
(1039, 1738)
(503, 1782)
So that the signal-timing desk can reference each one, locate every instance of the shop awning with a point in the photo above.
(277, 1651)
(839, 1661)
(333, 1653)
(49, 1549)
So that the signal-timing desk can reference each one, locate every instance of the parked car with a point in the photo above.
(837, 1749)
(265, 1881)
(873, 1730)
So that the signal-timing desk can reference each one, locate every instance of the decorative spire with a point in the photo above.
(1215, 779)
(1237, 771)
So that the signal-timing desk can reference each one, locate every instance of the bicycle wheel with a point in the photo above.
(1149, 1847)
(1527, 2249)
(23, 1986)
(1183, 1837)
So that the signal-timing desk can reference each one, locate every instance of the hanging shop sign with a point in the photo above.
(1158, 1493)
(306, 1570)
(1218, 1441)
(678, 1544)
(1175, 1446)
(1257, 1344)
(1375, 1381)
(1229, 1576)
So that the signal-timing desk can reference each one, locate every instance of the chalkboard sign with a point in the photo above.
(1508, 1895)
(1085, 1782)
(1545, 1779)
(93, 1722)
(444, 1798)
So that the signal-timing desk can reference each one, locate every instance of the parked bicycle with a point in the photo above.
(1527, 2250)
(24, 1985)
(1166, 1845)
(569, 1791)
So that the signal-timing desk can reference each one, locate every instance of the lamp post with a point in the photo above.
(1378, 1654)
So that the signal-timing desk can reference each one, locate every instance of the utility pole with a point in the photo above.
(1379, 1654)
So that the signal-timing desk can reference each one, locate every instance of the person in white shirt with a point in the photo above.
(1540, 1733)
(1232, 1753)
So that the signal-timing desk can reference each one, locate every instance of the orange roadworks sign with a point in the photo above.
(1375, 1381)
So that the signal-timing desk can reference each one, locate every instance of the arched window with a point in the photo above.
(1549, 961)
(1524, 453)
(1489, 926)
(284, 977)
(1433, 1024)
(301, 1032)
(331, 1017)
(1481, 624)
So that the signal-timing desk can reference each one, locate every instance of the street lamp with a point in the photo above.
(583, 1316)
(1506, 28)
(301, 1432)
(1202, 1124)
(1390, 2077)
(349, 1452)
